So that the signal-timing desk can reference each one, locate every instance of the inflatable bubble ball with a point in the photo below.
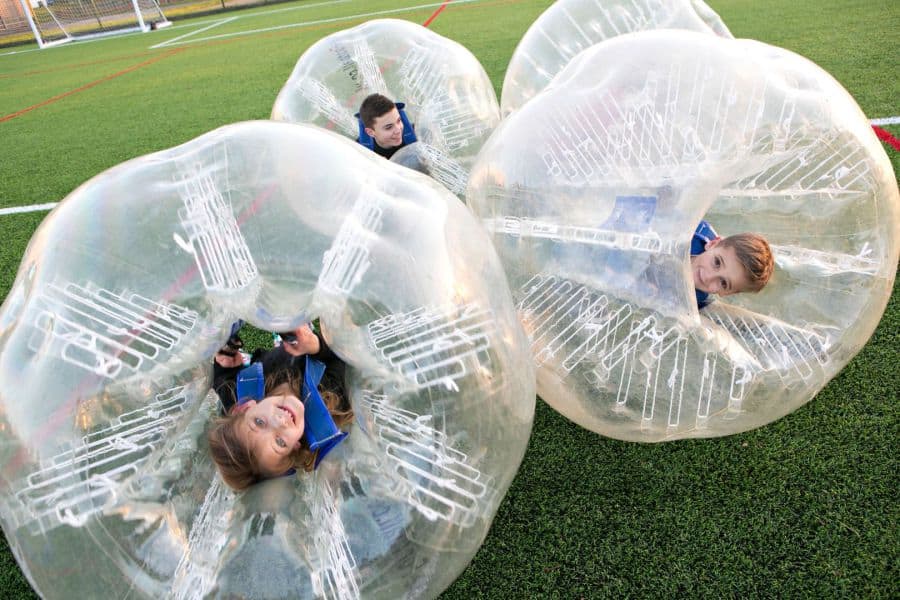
(446, 95)
(570, 26)
(595, 191)
(128, 289)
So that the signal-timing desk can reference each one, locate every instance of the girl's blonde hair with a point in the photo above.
(236, 463)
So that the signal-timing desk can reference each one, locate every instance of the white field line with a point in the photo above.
(14, 210)
(886, 121)
(218, 22)
(11, 52)
(391, 11)
(258, 13)
(74, 43)
(182, 26)
(190, 33)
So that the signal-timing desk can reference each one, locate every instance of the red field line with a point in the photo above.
(435, 14)
(89, 85)
(885, 136)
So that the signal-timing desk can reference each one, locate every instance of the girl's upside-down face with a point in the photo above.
(271, 429)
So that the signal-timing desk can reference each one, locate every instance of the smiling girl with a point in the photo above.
(262, 439)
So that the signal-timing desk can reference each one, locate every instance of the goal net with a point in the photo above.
(58, 21)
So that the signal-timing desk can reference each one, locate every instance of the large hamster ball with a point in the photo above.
(569, 26)
(593, 190)
(449, 97)
(128, 289)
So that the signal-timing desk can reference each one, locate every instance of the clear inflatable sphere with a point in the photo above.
(448, 97)
(570, 26)
(594, 190)
(130, 286)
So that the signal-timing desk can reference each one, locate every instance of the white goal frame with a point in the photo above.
(48, 19)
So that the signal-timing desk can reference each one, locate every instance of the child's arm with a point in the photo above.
(306, 341)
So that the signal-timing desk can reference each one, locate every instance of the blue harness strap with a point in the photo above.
(631, 214)
(321, 432)
(251, 383)
(703, 234)
(409, 133)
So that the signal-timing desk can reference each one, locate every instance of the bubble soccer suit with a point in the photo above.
(593, 189)
(448, 96)
(127, 290)
(569, 26)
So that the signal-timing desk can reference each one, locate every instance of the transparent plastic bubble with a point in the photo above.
(427, 159)
(448, 96)
(593, 191)
(570, 26)
(130, 286)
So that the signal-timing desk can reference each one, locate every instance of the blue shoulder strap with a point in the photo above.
(251, 383)
(703, 234)
(409, 133)
(631, 213)
(702, 298)
(364, 138)
(321, 431)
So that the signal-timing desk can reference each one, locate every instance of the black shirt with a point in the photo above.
(385, 152)
(278, 366)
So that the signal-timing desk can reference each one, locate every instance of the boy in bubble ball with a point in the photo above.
(731, 265)
(263, 439)
(384, 126)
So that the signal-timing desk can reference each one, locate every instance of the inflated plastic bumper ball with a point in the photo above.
(131, 285)
(446, 93)
(593, 191)
(569, 26)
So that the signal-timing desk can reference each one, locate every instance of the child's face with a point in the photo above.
(387, 130)
(718, 271)
(271, 429)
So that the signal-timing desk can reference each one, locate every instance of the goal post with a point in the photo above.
(58, 21)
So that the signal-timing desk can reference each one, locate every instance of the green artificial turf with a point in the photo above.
(804, 507)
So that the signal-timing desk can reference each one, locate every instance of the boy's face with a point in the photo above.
(718, 271)
(387, 130)
(271, 429)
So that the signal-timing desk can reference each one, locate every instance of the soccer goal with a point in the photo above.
(59, 21)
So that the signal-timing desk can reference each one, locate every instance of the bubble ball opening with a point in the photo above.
(108, 489)
(448, 95)
(592, 191)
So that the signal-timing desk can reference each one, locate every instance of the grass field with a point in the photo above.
(805, 507)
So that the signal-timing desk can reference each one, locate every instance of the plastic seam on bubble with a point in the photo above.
(216, 243)
(432, 346)
(440, 482)
(92, 472)
(104, 332)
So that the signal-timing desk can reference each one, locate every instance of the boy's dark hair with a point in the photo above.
(374, 106)
(755, 255)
